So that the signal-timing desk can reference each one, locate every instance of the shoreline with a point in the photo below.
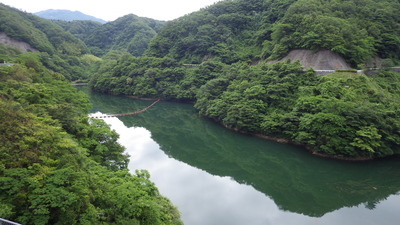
(262, 136)
(305, 147)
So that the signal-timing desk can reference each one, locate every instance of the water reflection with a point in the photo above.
(302, 189)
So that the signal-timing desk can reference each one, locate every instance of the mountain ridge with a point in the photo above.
(67, 15)
(129, 33)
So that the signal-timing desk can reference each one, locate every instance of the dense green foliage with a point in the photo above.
(248, 30)
(79, 28)
(271, 168)
(151, 77)
(356, 29)
(41, 34)
(129, 33)
(342, 115)
(60, 50)
(225, 30)
(59, 167)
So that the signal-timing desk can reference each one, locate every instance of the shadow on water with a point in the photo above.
(296, 180)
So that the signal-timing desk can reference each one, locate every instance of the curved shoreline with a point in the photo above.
(311, 150)
(262, 136)
(290, 142)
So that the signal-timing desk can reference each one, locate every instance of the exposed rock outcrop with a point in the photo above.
(320, 60)
(23, 46)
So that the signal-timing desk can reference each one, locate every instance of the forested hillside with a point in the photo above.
(59, 167)
(39, 33)
(228, 30)
(60, 51)
(356, 29)
(217, 58)
(248, 30)
(129, 33)
(79, 28)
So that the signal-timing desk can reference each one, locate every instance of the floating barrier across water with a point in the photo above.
(126, 114)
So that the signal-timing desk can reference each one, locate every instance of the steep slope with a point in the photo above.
(229, 30)
(41, 34)
(319, 60)
(66, 15)
(356, 29)
(22, 46)
(249, 30)
(129, 33)
(59, 167)
(79, 28)
(343, 115)
(60, 51)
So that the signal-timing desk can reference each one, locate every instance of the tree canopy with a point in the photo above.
(242, 30)
(216, 58)
(129, 33)
(358, 30)
(57, 166)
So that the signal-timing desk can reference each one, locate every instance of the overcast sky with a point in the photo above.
(113, 9)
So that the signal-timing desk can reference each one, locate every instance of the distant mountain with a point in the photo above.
(39, 33)
(67, 15)
(60, 51)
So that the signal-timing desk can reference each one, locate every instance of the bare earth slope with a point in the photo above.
(321, 60)
(6, 40)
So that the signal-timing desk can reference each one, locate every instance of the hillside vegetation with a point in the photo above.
(249, 30)
(59, 167)
(41, 34)
(356, 29)
(342, 115)
(129, 33)
(79, 28)
(60, 51)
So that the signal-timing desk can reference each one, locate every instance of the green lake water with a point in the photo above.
(216, 176)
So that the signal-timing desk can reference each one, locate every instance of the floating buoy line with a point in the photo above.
(126, 114)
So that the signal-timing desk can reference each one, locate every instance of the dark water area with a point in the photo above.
(216, 176)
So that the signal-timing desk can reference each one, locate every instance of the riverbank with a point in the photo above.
(185, 153)
(262, 136)
(290, 142)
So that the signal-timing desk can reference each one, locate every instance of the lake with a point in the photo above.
(216, 176)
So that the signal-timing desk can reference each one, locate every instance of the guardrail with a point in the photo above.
(7, 64)
(7, 222)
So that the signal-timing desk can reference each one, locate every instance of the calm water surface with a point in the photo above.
(217, 177)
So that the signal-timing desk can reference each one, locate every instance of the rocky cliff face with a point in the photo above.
(25, 47)
(320, 60)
